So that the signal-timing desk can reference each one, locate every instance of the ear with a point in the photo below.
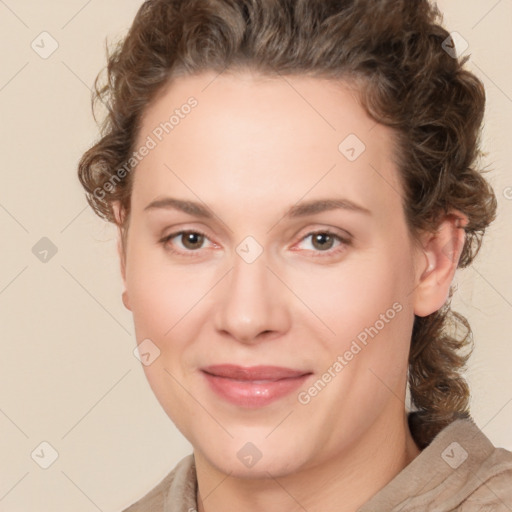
(121, 247)
(440, 252)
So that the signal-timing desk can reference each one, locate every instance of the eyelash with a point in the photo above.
(344, 242)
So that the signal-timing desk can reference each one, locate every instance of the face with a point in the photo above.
(269, 262)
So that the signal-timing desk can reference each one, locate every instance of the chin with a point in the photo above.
(241, 458)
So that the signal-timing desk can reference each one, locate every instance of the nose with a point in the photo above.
(252, 303)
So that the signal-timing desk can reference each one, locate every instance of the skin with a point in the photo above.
(298, 305)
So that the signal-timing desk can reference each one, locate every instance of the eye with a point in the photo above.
(189, 241)
(324, 241)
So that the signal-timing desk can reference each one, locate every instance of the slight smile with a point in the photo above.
(254, 386)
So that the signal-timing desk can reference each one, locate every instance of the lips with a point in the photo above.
(254, 386)
(252, 373)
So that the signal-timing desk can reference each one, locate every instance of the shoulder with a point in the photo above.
(489, 483)
(459, 471)
(178, 488)
(471, 473)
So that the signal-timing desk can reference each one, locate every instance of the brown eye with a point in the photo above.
(192, 240)
(322, 241)
(184, 242)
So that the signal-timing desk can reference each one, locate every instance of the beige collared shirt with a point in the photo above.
(459, 471)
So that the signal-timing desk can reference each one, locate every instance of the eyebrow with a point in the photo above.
(190, 207)
(301, 209)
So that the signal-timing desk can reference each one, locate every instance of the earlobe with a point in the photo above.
(121, 254)
(121, 249)
(126, 300)
(441, 250)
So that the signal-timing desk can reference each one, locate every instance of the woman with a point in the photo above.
(294, 186)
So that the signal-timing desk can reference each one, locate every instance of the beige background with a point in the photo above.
(67, 372)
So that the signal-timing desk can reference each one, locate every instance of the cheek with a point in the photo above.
(161, 298)
(152, 302)
(369, 308)
(168, 304)
(353, 296)
(160, 294)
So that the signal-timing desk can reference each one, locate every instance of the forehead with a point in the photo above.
(258, 135)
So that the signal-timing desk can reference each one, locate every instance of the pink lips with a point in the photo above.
(254, 386)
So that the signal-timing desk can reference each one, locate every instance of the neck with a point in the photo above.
(343, 483)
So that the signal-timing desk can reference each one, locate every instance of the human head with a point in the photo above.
(405, 80)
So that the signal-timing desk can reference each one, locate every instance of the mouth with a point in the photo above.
(255, 386)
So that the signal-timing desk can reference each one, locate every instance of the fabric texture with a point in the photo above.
(460, 471)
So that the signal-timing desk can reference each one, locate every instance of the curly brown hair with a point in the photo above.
(395, 51)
